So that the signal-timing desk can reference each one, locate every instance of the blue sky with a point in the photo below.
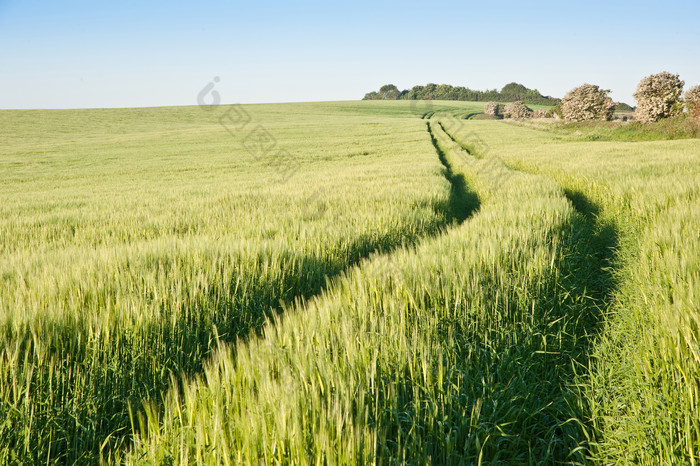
(64, 54)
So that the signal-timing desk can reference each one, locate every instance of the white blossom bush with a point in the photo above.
(692, 101)
(491, 108)
(516, 110)
(658, 96)
(587, 102)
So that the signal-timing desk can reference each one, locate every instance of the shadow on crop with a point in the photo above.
(462, 202)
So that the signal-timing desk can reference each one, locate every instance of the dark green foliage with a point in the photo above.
(510, 92)
(556, 110)
(514, 91)
(623, 107)
(386, 92)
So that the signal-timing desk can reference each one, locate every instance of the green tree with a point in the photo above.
(388, 92)
(514, 91)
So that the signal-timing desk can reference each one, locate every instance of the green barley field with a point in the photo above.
(344, 283)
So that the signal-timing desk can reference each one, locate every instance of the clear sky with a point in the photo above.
(69, 53)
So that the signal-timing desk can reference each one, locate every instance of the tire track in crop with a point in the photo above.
(512, 376)
(588, 280)
(465, 147)
(603, 234)
(518, 393)
(463, 202)
(464, 205)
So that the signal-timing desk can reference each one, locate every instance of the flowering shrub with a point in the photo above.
(658, 96)
(587, 102)
(516, 110)
(491, 108)
(692, 101)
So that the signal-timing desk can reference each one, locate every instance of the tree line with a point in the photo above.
(510, 92)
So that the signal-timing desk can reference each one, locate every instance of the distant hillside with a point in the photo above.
(623, 107)
(509, 93)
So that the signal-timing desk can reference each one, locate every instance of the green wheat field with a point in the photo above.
(344, 283)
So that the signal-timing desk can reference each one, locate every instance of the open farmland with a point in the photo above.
(339, 283)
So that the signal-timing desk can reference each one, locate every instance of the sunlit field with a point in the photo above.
(344, 283)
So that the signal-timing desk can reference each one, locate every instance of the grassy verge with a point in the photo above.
(682, 127)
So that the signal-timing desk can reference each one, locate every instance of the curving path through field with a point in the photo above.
(464, 347)
(589, 277)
